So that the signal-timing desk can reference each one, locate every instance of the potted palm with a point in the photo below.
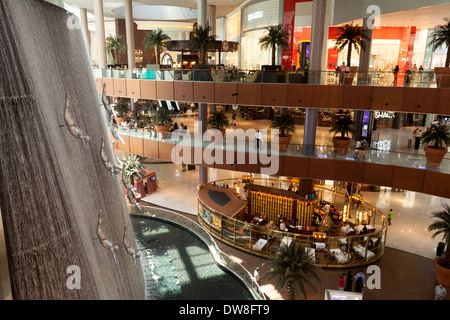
(285, 123)
(122, 108)
(218, 120)
(351, 36)
(155, 40)
(162, 120)
(436, 139)
(293, 270)
(277, 36)
(342, 125)
(441, 38)
(132, 170)
(114, 44)
(442, 226)
(203, 42)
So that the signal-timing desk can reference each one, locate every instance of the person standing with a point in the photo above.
(256, 276)
(360, 282)
(349, 282)
(396, 70)
(342, 73)
(391, 213)
(258, 137)
(342, 282)
(440, 292)
(233, 117)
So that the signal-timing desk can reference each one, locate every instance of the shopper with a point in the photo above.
(360, 282)
(396, 70)
(342, 282)
(258, 137)
(440, 292)
(391, 213)
(256, 276)
(349, 282)
(233, 117)
(342, 73)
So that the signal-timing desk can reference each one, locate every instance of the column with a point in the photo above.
(201, 13)
(397, 120)
(100, 33)
(364, 57)
(212, 24)
(85, 29)
(203, 118)
(129, 27)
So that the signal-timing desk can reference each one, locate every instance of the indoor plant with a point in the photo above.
(442, 226)
(441, 38)
(162, 120)
(285, 123)
(342, 125)
(277, 36)
(218, 120)
(436, 139)
(113, 45)
(203, 42)
(132, 169)
(122, 108)
(155, 40)
(351, 36)
(292, 268)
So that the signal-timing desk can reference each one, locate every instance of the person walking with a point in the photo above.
(440, 292)
(233, 117)
(256, 276)
(391, 213)
(396, 70)
(349, 282)
(342, 282)
(258, 137)
(342, 73)
(360, 282)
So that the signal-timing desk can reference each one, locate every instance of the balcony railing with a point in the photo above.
(425, 79)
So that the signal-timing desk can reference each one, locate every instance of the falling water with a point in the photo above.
(51, 186)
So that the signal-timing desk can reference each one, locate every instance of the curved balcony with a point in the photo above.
(370, 91)
(225, 213)
(407, 171)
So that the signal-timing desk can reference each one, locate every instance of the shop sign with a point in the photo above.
(255, 15)
(384, 114)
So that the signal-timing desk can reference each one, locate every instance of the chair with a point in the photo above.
(253, 77)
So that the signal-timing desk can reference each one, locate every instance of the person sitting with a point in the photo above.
(283, 226)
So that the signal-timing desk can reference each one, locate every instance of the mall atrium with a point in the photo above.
(183, 149)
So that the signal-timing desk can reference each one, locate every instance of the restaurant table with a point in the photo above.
(259, 245)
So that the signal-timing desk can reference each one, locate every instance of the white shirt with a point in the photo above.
(283, 227)
(326, 209)
(256, 275)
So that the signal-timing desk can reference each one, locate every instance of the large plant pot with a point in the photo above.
(120, 120)
(350, 76)
(442, 77)
(283, 143)
(442, 274)
(434, 156)
(164, 130)
(341, 145)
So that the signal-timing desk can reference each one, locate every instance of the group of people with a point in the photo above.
(346, 282)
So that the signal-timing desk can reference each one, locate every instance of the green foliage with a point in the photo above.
(351, 36)
(442, 226)
(342, 125)
(203, 42)
(277, 36)
(162, 117)
(133, 168)
(293, 270)
(115, 44)
(438, 136)
(284, 122)
(155, 40)
(122, 108)
(218, 120)
(441, 38)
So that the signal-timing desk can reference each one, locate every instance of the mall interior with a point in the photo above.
(198, 215)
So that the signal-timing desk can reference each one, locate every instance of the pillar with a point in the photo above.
(364, 57)
(397, 120)
(203, 118)
(100, 33)
(317, 40)
(212, 24)
(129, 27)
(85, 29)
(306, 186)
(201, 13)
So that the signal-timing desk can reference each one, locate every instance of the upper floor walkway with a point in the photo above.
(415, 93)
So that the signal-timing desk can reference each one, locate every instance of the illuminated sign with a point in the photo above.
(255, 15)
(384, 114)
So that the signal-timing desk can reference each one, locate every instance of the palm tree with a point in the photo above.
(437, 135)
(276, 37)
(218, 120)
(115, 44)
(133, 168)
(292, 269)
(203, 42)
(351, 36)
(155, 40)
(441, 37)
(284, 122)
(442, 225)
(342, 125)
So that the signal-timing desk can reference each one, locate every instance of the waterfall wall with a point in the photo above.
(52, 188)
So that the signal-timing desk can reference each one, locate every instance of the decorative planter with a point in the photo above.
(350, 76)
(442, 77)
(120, 120)
(434, 156)
(442, 274)
(341, 145)
(164, 130)
(283, 143)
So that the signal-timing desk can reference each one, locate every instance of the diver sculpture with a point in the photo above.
(73, 129)
(130, 250)
(108, 164)
(105, 242)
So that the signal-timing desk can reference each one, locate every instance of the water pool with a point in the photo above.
(177, 265)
